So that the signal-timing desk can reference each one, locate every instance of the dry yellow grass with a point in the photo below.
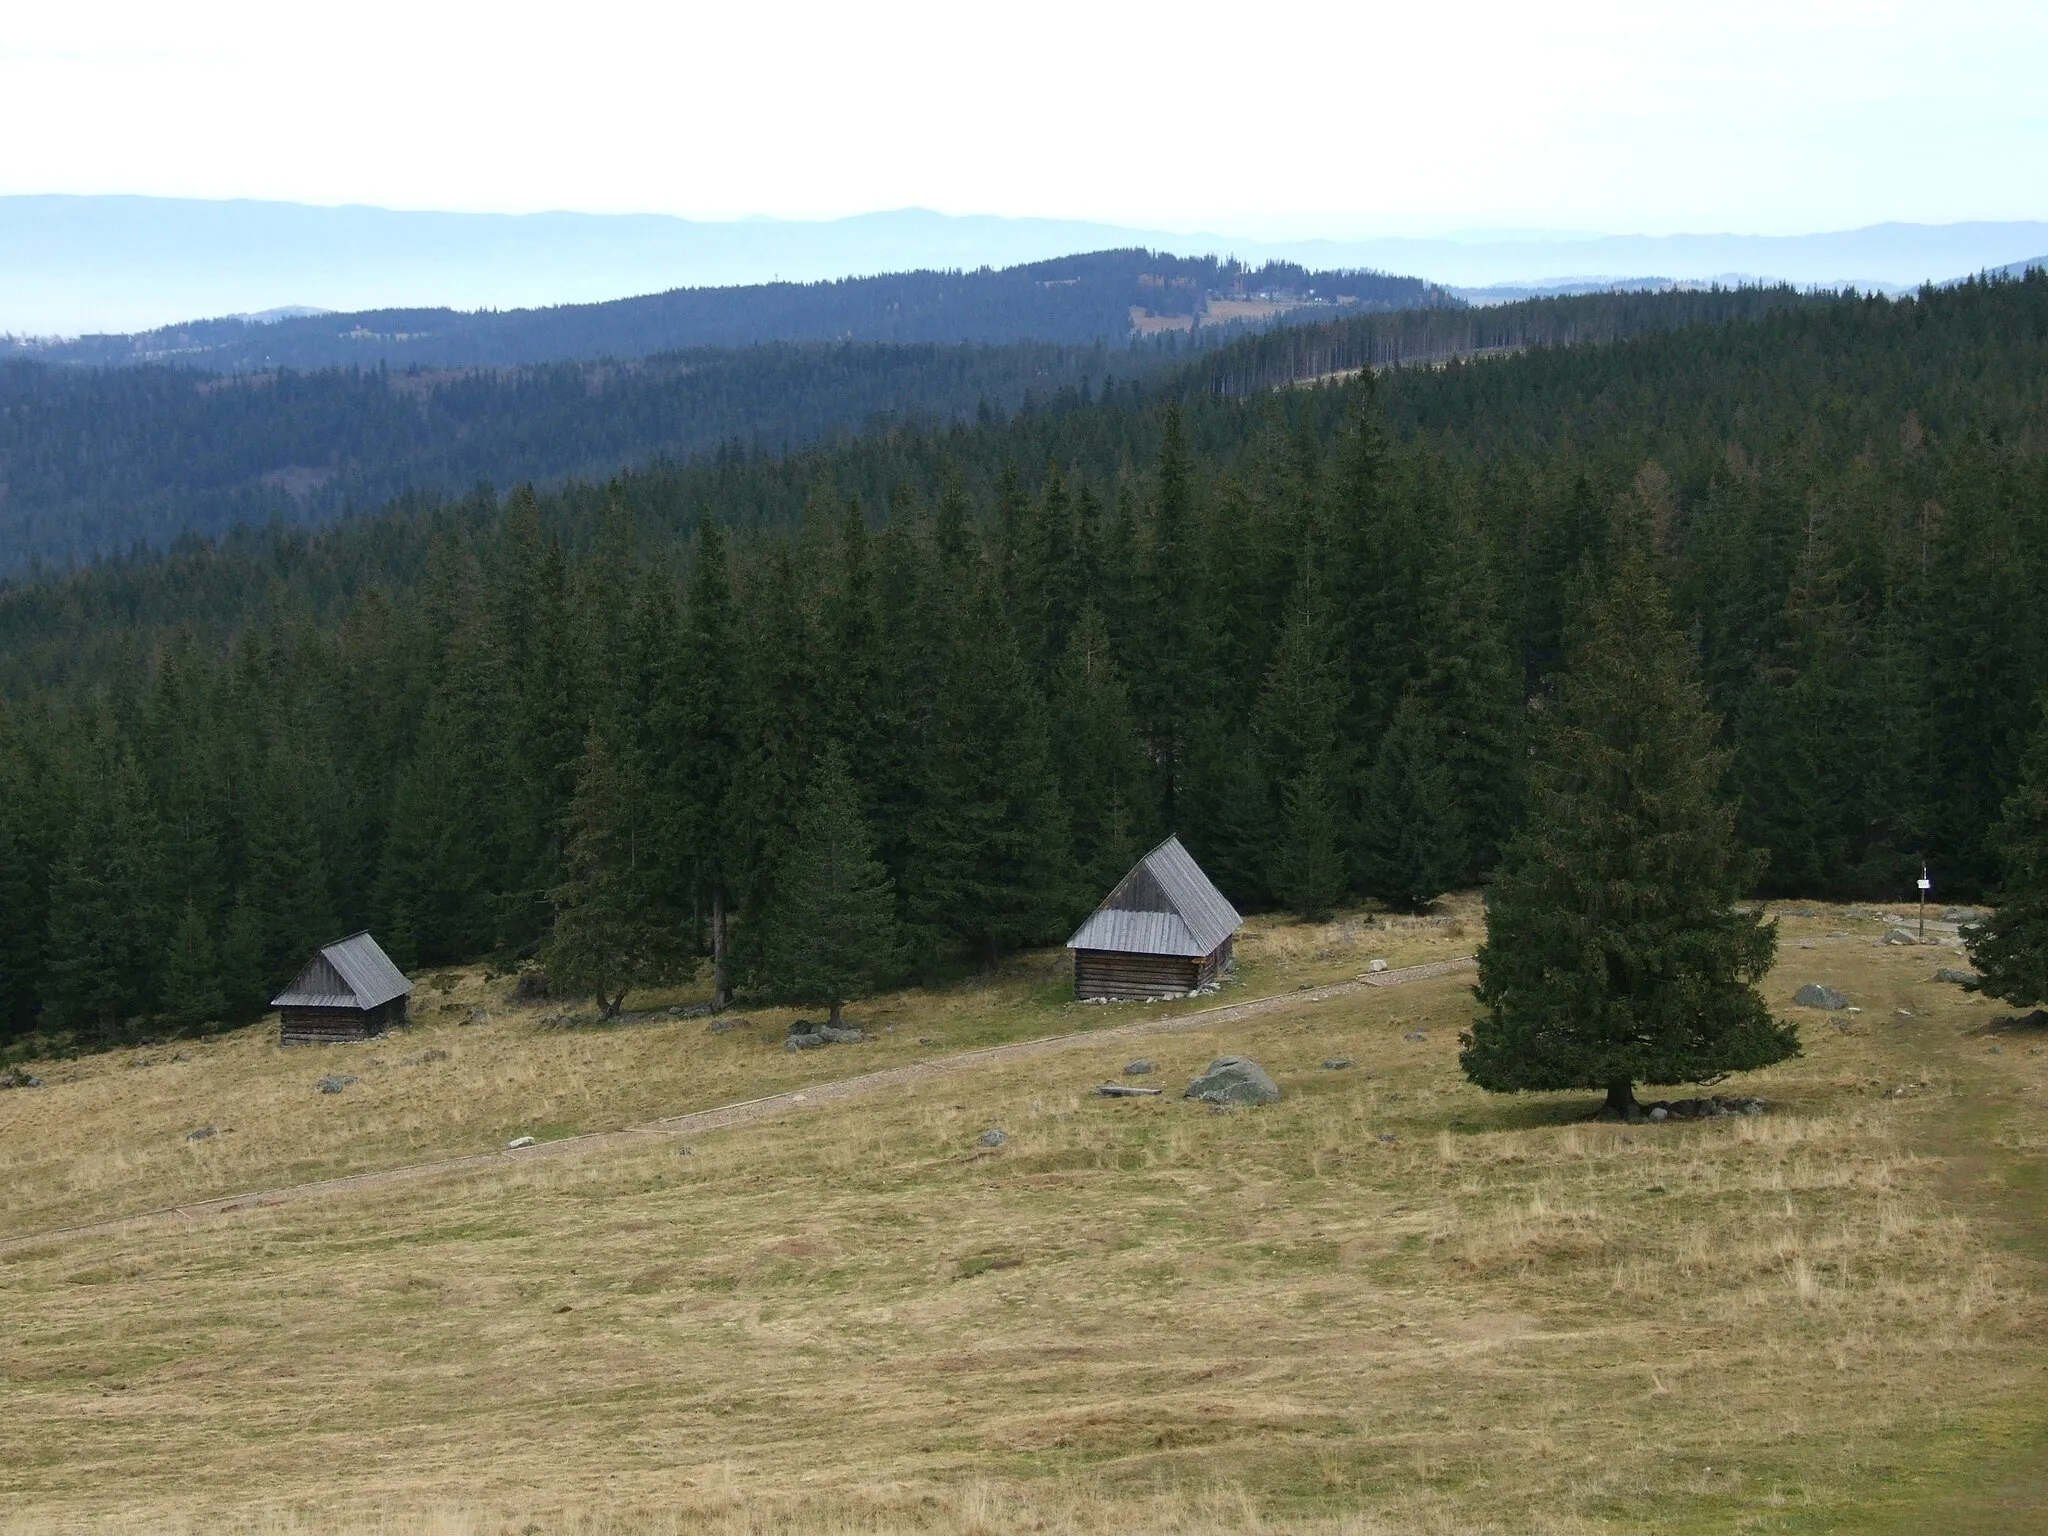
(107, 1136)
(1388, 1304)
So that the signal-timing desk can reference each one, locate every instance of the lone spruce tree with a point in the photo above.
(2010, 948)
(1614, 953)
(834, 933)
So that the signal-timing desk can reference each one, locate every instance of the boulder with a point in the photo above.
(1900, 936)
(846, 1034)
(334, 1082)
(1817, 995)
(1336, 1063)
(1137, 1068)
(1950, 973)
(1234, 1080)
(517, 1142)
(1415, 1034)
(994, 1138)
(204, 1133)
(1377, 966)
(1958, 914)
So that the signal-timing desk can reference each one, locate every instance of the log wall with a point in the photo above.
(336, 1026)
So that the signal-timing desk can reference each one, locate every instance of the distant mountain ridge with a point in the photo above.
(1103, 297)
(70, 265)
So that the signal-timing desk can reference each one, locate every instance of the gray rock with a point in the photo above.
(1234, 1080)
(1336, 1063)
(1377, 966)
(1900, 936)
(1796, 912)
(1959, 977)
(1126, 1091)
(994, 1138)
(1137, 1068)
(1818, 995)
(1660, 1114)
(334, 1082)
(204, 1133)
(847, 1034)
(810, 1040)
(726, 1023)
(1415, 1034)
(1958, 914)
(517, 1142)
(1855, 915)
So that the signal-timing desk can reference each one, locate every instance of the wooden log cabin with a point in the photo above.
(350, 990)
(1163, 932)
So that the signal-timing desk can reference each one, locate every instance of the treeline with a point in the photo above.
(1439, 334)
(1308, 630)
(1075, 300)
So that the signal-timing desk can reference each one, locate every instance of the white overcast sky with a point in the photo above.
(1752, 116)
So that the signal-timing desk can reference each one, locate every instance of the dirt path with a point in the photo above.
(726, 1116)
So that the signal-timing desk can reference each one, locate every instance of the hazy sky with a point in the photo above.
(1764, 116)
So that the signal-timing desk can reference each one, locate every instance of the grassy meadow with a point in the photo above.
(1389, 1303)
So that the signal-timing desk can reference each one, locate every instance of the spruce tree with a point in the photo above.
(193, 996)
(988, 859)
(833, 934)
(1614, 952)
(1307, 865)
(1412, 836)
(1103, 773)
(2010, 948)
(1304, 699)
(104, 934)
(606, 940)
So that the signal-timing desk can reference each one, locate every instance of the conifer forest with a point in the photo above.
(1304, 613)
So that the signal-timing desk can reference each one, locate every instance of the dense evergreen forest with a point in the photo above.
(1076, 300)
(98, 461)
(1305, 627)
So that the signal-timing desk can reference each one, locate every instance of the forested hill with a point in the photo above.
(1104, 296)
(97, 461)
(1303, 627)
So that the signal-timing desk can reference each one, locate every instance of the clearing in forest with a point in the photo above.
(1387, 1303)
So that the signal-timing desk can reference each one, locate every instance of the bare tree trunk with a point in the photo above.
(721, 993)
(1621, 1102)
(835, 1012)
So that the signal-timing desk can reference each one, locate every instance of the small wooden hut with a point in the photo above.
(1164, 931)
(350, 990)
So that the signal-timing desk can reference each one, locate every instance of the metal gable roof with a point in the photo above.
(349, 973)
(1164, 906)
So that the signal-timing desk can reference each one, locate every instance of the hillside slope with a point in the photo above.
(1388, 1303)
